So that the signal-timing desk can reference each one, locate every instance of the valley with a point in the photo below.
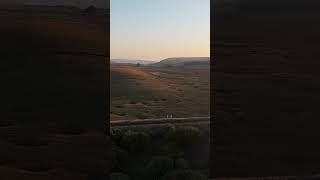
(140, 92)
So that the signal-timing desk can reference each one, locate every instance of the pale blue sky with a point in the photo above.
(158, 29)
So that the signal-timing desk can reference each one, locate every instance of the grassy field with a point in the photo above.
(153, 92)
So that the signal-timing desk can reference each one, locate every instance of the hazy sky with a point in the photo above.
(158, 29)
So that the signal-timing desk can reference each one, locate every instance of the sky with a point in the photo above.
(159, 29)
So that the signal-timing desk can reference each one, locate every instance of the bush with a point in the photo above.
(159, 166)
(119, 176)
(183, 136)
(140, 115)
(135, 141)
(116, 135)
(184, 175)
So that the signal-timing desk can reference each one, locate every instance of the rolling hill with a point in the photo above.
(191, 62)
(153, 92)
(130, 61)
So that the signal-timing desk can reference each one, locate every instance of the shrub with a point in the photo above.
(183, 136)
(135, 141)
(116, 135)
(159, 166)
(184, 175)
(140, 115)
(119, 176)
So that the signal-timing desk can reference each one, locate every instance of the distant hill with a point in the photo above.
(184, 62)
(129, 61)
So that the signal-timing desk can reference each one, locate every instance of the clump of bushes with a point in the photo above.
(183, 136)
(140, 115)
(134, 141)
(160, 154)
(116, 135)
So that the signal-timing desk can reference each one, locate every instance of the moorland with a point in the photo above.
(152, 91)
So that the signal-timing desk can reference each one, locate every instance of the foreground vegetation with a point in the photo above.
(166, 153)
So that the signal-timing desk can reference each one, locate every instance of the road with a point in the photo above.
(160, 122)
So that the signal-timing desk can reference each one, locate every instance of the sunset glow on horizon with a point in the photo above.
(159, 29)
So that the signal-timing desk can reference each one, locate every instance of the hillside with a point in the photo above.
(130, 61)
(154, 92)
(191, 62)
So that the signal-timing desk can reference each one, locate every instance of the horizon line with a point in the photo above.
(135, 59)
